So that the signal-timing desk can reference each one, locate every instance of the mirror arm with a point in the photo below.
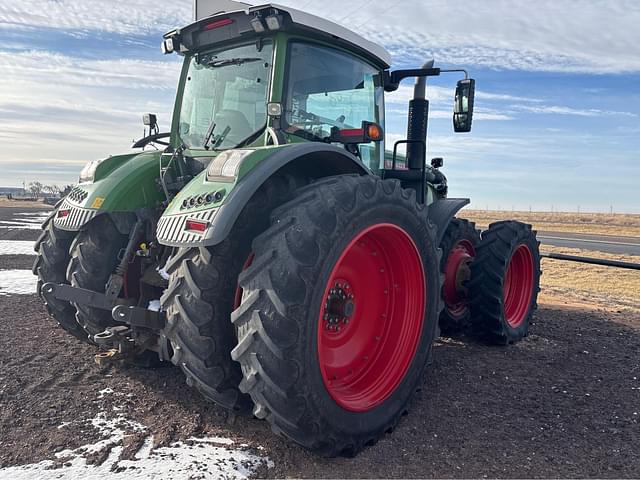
(392, 79)
(466, 74)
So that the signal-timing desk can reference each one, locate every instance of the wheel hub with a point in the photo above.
(339, 307)
(365, 347)
(457, 276)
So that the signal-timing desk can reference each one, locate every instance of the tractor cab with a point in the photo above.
(269, 75)
(265, 75)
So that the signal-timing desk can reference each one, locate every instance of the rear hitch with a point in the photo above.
(139, 317)
(118, 343)
(71, 294)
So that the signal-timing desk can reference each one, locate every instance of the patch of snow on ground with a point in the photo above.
(106, 391)
(42, 215)
(195, 459)
(21, 282)
(19, 225)
(220, 440)
(16, 247)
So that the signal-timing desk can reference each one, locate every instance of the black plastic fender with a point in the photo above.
(442, 211)
(315, 160)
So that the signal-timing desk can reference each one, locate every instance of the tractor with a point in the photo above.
(272, 248)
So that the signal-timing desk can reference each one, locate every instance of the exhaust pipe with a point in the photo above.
(417, 123)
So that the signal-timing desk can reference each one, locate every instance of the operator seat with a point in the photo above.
(240, 126)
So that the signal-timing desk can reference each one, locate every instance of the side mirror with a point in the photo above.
(150, 120)
(463, 105)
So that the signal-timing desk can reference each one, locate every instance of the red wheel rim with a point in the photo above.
(456, 273)
(518, 286)
(371, 317)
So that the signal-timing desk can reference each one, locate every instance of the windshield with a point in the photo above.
(328, 88)
(224, 103)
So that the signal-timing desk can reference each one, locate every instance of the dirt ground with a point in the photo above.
(595, 223)
(563, 403)
(23, 204)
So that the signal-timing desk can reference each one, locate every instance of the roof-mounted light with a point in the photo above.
(258, 26)
(168, 46)
(274, 22)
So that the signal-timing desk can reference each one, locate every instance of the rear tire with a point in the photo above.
(201, 295)
(339, 237)
(505, 281)
(458, 245)
(94, 256)
(51, 266)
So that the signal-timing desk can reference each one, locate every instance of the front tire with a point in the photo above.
(51, 266)
(339, 313)
(95, 253)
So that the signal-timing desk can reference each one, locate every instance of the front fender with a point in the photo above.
(124, 183)
(313, 160)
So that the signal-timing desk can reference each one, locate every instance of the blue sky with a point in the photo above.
(557, 112)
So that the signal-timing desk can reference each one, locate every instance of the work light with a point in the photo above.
(88, 173)
(224, 168)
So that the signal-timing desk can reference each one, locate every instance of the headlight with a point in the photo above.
(224, 168)
(88, 173)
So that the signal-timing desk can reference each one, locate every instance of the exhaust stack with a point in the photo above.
(417, 123)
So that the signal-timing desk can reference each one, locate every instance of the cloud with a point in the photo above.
(561, 110)
(545, 35)
(130, 17)
(60, 109)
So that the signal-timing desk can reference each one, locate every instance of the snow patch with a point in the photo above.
(19, 225)
(193, 459)
(21, 282)
(219, 440)
(16, 247)
(42, 215)
(106, 391)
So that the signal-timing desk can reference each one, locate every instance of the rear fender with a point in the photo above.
(441, 212)
(312, 160)
(123, 185)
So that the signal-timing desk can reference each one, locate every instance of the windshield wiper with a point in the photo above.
(231, 61)
(209, 134)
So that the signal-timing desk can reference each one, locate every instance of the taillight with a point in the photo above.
(220, 23)
(196, 226)
(63, 213)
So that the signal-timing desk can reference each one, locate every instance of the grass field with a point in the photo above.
(605, 287)
(596, 223)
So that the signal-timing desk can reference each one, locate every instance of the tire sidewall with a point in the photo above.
(524, 238)
(349, 227)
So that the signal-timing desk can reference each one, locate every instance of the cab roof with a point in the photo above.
(301, 20)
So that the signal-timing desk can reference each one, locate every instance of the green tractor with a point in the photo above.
(303, 271)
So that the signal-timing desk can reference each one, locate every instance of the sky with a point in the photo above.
(557, 122)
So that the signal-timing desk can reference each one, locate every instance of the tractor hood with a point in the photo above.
(120, 183)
